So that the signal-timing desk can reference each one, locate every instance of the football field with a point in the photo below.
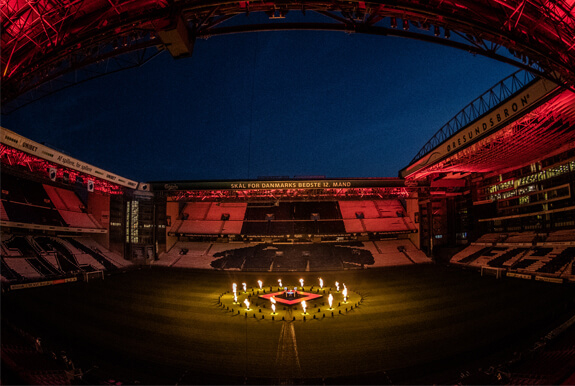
(166, 326)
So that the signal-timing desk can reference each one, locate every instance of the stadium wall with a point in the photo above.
(412, 209)
(99, 207)
(172, 213)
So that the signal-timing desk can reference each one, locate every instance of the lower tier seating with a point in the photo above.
(26, 258)
(285, 257)
(541, 257)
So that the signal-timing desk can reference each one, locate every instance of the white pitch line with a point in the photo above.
(287, 360)
(292, 333)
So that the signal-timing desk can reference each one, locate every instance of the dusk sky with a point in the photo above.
(264, 104)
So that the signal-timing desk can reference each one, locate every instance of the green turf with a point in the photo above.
(164, 326)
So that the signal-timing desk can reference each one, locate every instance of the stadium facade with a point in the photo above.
(492, 191)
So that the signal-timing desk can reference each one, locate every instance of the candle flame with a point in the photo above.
(304, 306)
(244, 285)
(320, 282)
(330, 300)
(301, 282)
(337, 286)
(247, 303)
(273, 299)
(274, 308)
(280, 282)
(260, 283)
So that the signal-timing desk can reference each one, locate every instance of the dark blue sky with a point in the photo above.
(265, 104)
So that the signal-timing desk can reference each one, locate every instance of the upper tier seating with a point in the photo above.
(70, 208)
(375, 216)
(29, 202)
(269, 219)
(231, 210)
(23, 213)
(16, 189)
(292, 218)
(213, 211)
(210, 218)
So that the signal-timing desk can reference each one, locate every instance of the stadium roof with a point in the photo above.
(547, 127)
(43, 41)
(41, 158)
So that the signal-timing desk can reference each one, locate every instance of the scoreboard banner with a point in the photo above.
(280, 184)
(10, 138)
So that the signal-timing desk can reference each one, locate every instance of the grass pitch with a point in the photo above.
(165, 326)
